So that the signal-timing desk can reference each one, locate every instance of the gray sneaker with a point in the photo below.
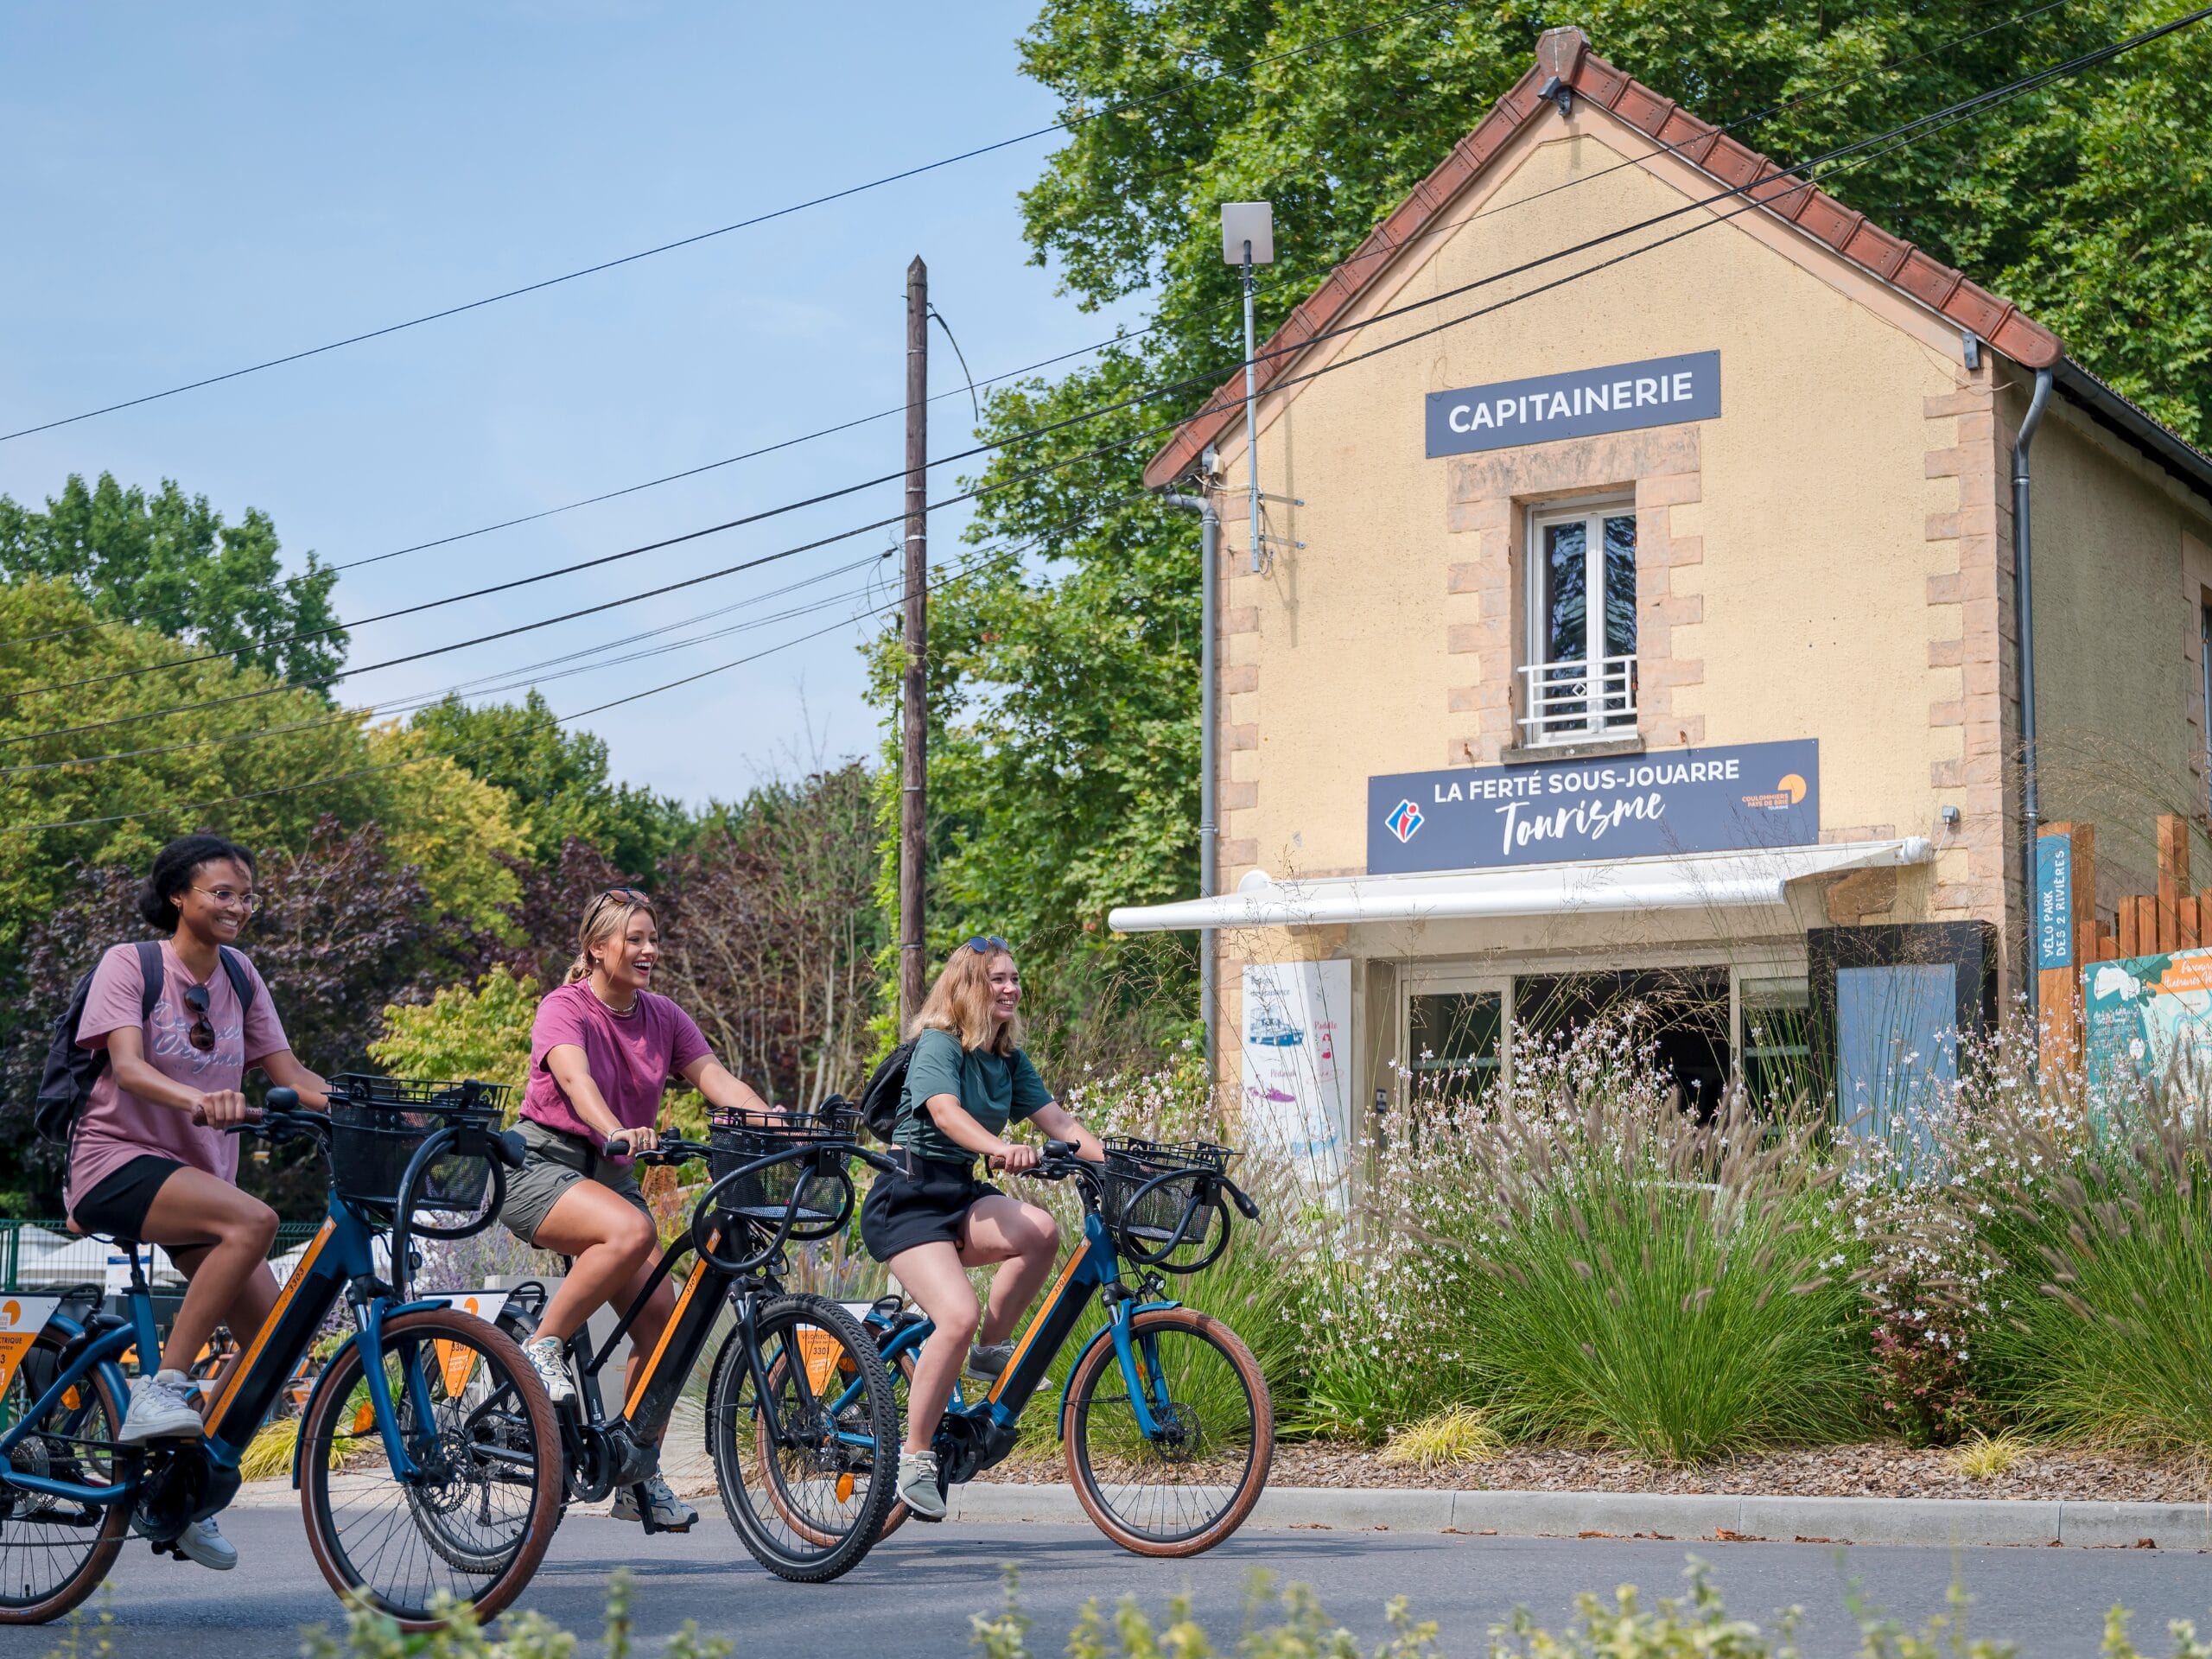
(987, 1359)
(548, 1358)
(917, 1485)
(670, 1512)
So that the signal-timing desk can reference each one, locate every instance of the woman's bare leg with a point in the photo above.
(227, 1234)
(1027, 1240)
(933, 1276)
(608, 1240)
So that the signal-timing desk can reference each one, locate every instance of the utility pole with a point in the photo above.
(914, 819)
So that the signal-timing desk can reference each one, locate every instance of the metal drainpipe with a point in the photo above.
(1209, 869)
(2023, 607)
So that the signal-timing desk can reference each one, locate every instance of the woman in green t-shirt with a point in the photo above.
(968, 1082)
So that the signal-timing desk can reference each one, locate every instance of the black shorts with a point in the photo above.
(929, 1203)
(117, 1203)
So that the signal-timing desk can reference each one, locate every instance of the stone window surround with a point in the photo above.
(1492, 496)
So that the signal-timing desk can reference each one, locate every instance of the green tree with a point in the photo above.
(461, 1032)
(169, 562)
(1064, 687)
(558, 779)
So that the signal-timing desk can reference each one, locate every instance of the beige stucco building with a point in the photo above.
(1641, 620)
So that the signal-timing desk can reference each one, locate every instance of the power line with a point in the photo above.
(1067, 124)
(1865, 150)
(1425, 233)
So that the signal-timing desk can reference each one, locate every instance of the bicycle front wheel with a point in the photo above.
(1185, 1483)
(808, 1466)
(472, 1521)
(54, 1551)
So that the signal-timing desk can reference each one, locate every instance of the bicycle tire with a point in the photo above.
(20, 1604)
(487, 1576)
(826, 1545)
(1090, 1394)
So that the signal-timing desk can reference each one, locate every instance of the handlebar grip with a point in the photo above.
(1245, 1207)
(510, 1147)
(1060, 1149)
(282, 1100)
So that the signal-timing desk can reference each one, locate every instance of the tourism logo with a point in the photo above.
(1788, 791)
(1404, 819)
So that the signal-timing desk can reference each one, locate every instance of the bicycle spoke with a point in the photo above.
(53, 1551)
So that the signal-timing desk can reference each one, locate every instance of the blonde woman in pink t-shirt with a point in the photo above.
(602, 1050)
(149, 1159)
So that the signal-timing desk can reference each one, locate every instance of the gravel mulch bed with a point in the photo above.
(1880, 1469)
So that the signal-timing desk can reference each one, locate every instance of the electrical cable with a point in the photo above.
(1425, 233)
(1866, 149)
(1066, 124)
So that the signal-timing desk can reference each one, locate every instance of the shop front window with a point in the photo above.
(1580, 680)
(1456, 1039)
(1777, 1049)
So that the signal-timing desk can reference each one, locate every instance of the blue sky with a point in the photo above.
(193, 188)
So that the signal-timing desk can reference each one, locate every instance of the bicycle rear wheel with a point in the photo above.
(808, 1472)
(54, 1551)
(1188, 1484)
(474, 1521)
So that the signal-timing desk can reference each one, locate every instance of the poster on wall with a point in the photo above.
(2148, 1017)
(1297, 1051)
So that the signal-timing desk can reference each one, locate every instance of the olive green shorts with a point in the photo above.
(555, 1163)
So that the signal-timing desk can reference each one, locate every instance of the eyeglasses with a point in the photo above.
(202, 1035)
(628, 895)
(983, 944)
(229, 897)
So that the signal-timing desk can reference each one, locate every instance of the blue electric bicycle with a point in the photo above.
(429, 1456)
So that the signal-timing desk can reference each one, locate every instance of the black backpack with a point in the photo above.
(886, 1094)
(71, 1070)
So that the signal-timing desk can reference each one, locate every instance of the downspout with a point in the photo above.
(2024, 608)
(1209, 578)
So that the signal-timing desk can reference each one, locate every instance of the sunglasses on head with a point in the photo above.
(202, 1035)
(628, 895)
(983, 944)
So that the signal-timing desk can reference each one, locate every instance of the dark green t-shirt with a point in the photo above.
(996, 1089)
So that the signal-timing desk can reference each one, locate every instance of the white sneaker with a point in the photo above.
(160, 1408)
(548, 1358)
(202, 1542)
(917, 1485)
(670, 1512)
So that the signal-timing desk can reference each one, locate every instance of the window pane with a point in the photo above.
(1778, 1047)
(1896, 1044)
(1566, 600)
(1455, 1038)
(1620, 585)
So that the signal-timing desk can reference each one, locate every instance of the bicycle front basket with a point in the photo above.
(1132, 1163)
(741, 1137)
(377, 1124)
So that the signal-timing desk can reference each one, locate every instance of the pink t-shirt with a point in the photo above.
(116, 1125)
(631, 1058)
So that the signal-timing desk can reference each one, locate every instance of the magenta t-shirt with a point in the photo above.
(631, 1058)
(116, 1125)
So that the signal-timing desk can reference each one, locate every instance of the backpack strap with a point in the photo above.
(241, 981)
(149, 977)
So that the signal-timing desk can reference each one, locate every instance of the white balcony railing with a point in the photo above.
(1567, 703)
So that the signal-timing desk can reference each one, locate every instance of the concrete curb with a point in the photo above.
(1940, 1522)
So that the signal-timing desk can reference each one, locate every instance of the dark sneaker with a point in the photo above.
(987, 1359)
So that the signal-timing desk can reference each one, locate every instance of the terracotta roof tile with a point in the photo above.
(1565, 52)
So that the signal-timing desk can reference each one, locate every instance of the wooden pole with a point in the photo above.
(914, 776)
(2059, 989)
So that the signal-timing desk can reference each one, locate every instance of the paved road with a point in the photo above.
(913, 1596)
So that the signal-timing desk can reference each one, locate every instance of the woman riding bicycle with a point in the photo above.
(602, 1049)
(967, 1081)
(149, 1159)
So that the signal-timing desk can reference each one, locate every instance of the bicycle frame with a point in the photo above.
(1093, 1267)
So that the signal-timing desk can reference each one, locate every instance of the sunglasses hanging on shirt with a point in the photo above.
(202, 1035)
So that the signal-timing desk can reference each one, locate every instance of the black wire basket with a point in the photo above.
(1132, 1163)
(376, 1125)
(741, 1137)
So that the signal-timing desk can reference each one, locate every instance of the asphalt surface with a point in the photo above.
(914, 1594)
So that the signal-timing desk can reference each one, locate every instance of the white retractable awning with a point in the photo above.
(1689, 881)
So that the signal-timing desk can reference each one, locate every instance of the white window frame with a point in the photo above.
(1610, 709)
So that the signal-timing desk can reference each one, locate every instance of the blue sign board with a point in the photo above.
(1659, 391)
(1710, 800)
(2054, 901)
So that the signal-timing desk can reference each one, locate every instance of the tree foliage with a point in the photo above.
(169, 562)
(482, 1030)
(559, 778)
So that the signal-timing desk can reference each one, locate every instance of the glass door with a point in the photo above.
(1579, 679)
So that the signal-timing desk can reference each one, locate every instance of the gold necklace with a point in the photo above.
(619, 1013)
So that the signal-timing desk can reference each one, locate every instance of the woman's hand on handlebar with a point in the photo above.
(628, 1143)
(1016, 1159)
(222, 1108)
